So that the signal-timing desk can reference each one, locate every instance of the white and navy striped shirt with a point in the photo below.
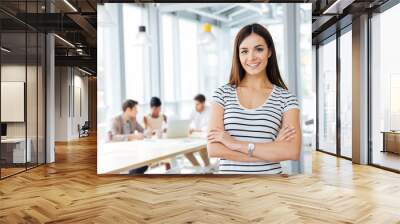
(261, 124)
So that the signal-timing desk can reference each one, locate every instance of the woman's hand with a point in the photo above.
(218, 135)
(287, 133)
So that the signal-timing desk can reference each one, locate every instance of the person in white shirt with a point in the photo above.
(199, 122)
(200, 115)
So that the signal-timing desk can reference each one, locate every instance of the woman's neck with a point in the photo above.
(259, 81)
(155, 115)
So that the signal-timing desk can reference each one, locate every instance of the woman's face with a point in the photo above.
(254, 54)
(155, 110)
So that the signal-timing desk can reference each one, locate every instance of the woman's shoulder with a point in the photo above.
(226, 88)
(283, 92)
(222, 93)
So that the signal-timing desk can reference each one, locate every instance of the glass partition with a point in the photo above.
(327, 97)
(385, 89)
(346, 94)
(13, 105)
(22, 77)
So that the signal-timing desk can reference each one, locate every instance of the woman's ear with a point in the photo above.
(269, 53)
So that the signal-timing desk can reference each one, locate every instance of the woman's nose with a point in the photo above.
(252, 55)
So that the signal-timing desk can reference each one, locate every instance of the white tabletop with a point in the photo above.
(13, 140)
(117, 157)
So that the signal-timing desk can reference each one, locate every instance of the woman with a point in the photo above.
(155, 120)
(254, 121)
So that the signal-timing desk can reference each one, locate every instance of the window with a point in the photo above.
(327, 97)
(307, 81)
(110, 64)
(187, 68)
(136, 60)
(189, 78)
(168, 58)
(277, 33)
(394, 101)
(346, 94)
(385, 86)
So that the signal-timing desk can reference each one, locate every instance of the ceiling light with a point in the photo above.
(5, 50)
(142, 38)
(84, 71)
(70, 5)
(206, 37)
(264, 8)
(65, 41)
(338, 6)
(79, 51)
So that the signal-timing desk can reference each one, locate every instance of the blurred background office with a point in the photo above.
(175, 51)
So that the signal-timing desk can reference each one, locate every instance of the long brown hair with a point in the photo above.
(272, 71)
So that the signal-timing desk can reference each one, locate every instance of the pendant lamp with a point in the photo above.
(206, 37)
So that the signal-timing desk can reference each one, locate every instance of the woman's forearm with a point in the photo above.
(273, 151)
(221, 151)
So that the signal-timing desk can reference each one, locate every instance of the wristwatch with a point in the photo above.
(250, 149)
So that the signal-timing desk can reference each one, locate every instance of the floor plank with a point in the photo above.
(69, 191)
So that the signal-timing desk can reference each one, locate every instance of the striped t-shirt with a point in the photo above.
(261, 124)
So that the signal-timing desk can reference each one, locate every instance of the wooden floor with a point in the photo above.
(386, 159)
(10, 171)
(69, 191)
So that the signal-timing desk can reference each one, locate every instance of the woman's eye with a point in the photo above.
(260, 49)
(243, 52)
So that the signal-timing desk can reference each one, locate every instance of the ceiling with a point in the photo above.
(332, 15)
(75, 21)
(227, 14)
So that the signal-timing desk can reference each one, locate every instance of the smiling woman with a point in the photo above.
(254, 120)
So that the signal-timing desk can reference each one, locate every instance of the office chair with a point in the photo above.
(84, 130)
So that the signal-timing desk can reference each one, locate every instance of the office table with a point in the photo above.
(13, 150)
(117, 157)
(391, 141)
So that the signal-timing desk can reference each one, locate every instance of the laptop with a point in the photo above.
(178, 128)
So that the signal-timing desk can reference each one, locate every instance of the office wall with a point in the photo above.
(14, 73)
(80, 104)
(71, 102)
(61, 103)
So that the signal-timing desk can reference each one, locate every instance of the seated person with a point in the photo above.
(123, 128)
(199, 122)
(155, 120)
(199, 117)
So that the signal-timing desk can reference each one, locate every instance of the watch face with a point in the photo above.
(250, 149)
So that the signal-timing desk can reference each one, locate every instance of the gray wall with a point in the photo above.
(71, 102)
